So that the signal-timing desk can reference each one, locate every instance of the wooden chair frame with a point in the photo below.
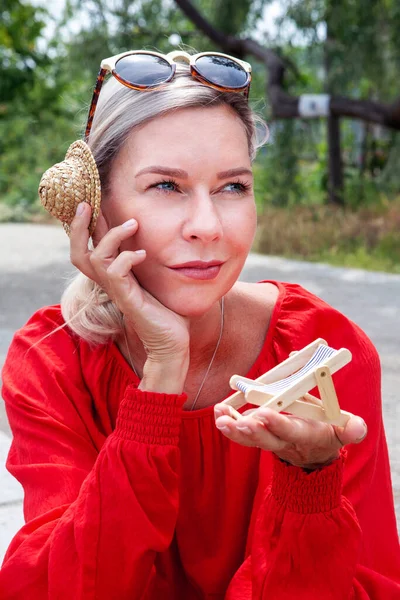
(295, 398)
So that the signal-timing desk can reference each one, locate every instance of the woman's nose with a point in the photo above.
(203, 219)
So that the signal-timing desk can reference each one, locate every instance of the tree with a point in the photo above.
(34, 116)
(45, 92)
(309, 15)
(20, 27)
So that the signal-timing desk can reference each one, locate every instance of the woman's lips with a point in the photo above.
(199, 272)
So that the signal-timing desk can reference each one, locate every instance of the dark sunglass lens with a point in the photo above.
(221, 71)
(143, 69)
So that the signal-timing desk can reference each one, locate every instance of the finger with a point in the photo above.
(263, 436)
(249, 412)
(290, 429)
(353, 432)
(120, 270)
(107, 248)
(79, 238)
(222, 409)
(278, 431)
(124, 289)
(250, 432)
(228, 427)
(100, 230)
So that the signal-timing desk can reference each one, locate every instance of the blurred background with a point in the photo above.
(327, 183)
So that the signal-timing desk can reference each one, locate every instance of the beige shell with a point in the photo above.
(74, 180)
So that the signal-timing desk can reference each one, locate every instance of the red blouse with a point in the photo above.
(127, 496)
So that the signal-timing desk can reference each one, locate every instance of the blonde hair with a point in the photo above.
(85, 306)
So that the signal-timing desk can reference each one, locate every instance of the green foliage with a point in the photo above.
(233, 17)
(348, 48)
(277, 179)
(44, 101)
(20, 27)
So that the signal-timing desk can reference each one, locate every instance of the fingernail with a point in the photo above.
(80, 209)
(244, 429)
(140, 251)
(360, 439)
(218, 412)
(263, 419)
(223, 428)
(129, 223)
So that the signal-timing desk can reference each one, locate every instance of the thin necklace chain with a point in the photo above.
(222, 304)
(213, 356)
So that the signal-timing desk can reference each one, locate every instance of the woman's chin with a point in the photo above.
(189, 303)
(190, 308)
(191, 300)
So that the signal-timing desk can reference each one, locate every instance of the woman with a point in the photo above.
(138, 483)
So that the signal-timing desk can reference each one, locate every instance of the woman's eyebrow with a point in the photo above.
(181, 174)
(164, 171)
(234, 173)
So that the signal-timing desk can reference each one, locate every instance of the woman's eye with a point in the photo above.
(237, 187)
(165, 186)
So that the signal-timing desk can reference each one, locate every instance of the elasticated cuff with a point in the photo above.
(150, 417)
(302, 492)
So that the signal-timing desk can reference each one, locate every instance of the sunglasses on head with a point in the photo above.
(143, 70)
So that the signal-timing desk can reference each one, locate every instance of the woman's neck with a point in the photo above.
(204, 332)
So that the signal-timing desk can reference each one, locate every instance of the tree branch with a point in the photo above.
(283, 105)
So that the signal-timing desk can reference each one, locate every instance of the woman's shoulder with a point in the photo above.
(45, 327)
(52, 369)
(285, 296)
(288, 302)
(307, 312)
(40, 349)
(298, 317)
(44, 317)
(45, 343)
(51, 376)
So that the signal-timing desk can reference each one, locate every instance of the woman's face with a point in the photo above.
(186, 178)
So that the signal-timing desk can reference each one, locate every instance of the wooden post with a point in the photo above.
(335, 166)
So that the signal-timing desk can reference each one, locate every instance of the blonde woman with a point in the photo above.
(138, 483)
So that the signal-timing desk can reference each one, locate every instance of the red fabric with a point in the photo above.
(127, 496)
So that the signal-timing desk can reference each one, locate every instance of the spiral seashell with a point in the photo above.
(66, 184)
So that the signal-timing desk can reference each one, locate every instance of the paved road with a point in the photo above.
(34, 267)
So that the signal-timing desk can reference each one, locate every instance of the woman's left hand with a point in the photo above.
(301, 442)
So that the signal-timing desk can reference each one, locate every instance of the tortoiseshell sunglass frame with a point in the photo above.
(108, 66)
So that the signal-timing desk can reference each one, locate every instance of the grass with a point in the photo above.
(366, 238)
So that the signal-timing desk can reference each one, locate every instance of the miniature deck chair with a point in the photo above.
(286, 387)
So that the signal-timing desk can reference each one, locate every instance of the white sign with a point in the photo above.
(314, 105)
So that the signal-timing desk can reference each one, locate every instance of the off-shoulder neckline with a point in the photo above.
(208, 410)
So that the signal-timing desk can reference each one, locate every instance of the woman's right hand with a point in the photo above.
(163, 333)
